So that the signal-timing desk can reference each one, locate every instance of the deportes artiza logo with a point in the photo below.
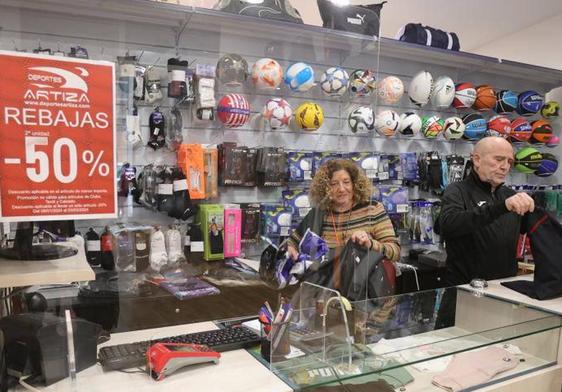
(56, 97)
(52, 84)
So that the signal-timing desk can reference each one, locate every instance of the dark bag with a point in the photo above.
(545, 234)
(416, 33)
(268, 9)
(363, 274)
(359, 19)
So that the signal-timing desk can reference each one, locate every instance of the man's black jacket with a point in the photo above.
(480, 233)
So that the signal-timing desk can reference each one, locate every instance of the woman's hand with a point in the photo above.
(292, 252)
(362, 238)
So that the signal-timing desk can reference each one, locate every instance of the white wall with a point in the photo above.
(538, 45)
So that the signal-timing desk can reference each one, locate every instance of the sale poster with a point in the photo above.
(57, 138)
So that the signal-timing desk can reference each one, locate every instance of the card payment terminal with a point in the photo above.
(165, 358)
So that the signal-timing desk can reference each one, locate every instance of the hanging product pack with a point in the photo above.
(416, 33)
(267, 9)
(360, 19)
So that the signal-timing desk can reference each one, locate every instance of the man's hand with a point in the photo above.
(520, 203)
(292, 252)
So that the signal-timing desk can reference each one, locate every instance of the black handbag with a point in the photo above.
(359, 19)
(267, 9)
(424, 35)
(362, 271)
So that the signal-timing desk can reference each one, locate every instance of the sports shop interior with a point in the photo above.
(280, 195)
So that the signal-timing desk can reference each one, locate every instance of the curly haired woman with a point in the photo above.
(341, 193)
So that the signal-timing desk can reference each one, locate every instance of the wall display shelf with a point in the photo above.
(155, 31)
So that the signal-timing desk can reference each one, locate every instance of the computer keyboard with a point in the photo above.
(130, 355)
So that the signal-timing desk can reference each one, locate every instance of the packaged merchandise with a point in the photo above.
(191, 161)
(174, 132)
(205, 91)
(409, 163)
(367, 161)
(165, 189)
(231, 163)
(394, 198)
(271, 166)
(250, 222)
(275, 220)
(211, 173)
(127, 180)
(106, 243)
(152, 85)
(157, 129)
(300, 166)
(174, 245)
(158, 254)
(177, 70)
(297, 201)
(182, 208)
(130, 245)
(211, 217)
(232, 231)
(93, 247)
(249, 172)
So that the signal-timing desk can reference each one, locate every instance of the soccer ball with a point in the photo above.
(309, 116)
(362, 82)
(432, 126)
(277, 113)
(391, 89)
(361, 119)
(387, 123)
(334, 81)
(233, 110)
(267, 74)
(299, 77)
(410, 124)
(453, 128)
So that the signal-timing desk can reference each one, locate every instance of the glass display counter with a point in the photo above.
(453, 337)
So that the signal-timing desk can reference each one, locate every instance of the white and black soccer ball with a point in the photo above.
(443, 92)
(361, 119)
(410, 124)
(420, 88)
(334, 81)
(454, 128)
(277, 113)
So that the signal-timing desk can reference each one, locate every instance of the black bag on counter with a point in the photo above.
(545, 234)
(416, 33)
(267, 9)
(359, 19)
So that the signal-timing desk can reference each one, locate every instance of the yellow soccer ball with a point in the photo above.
(309, 116)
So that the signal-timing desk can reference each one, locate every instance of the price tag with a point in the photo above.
(383, 176)
(93, 245)
(400, 208)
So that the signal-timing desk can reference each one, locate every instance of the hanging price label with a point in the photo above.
(57, 156)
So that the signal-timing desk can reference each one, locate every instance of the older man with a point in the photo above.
(480, 217)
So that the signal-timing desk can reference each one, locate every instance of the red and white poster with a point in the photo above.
(57, 138)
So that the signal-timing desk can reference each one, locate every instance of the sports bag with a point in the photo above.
(359, 19)
(416, 33)
(267, 9)
(545, 233)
